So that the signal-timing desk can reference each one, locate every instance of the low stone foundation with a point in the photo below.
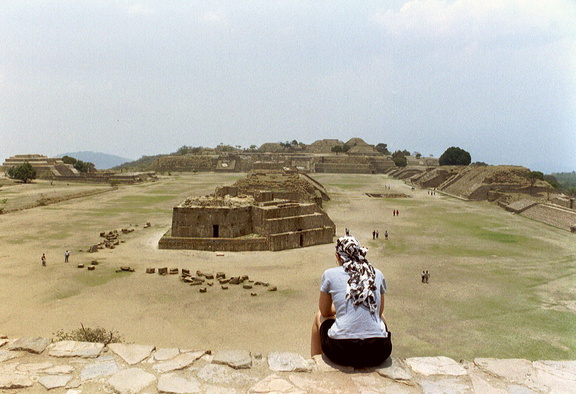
(34, 365)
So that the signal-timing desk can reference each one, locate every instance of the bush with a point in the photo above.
(24, 172)
(455, 156)
(87, 334)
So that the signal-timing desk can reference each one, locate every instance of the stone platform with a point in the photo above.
(37, 365)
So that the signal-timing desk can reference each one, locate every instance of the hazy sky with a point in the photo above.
(494, 77)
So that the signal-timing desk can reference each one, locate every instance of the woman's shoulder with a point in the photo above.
(333, 271)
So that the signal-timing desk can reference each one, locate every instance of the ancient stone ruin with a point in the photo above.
(247, 217)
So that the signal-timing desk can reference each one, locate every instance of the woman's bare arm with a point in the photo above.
(325, 303)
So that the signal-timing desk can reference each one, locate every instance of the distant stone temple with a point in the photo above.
(56, 169)
(42, 165)
(244, 217)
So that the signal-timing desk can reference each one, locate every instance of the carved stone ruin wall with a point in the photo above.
(215, 222)
(215, 244)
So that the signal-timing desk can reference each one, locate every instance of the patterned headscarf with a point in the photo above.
(360, 287)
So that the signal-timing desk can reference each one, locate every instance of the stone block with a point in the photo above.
(29, 344)
(288, 362)
(132, 354)
(131, 380)
(174, 383)
(76, 349)
(435, 366)
(237, 359)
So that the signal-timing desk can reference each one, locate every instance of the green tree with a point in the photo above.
(455, 156)
(69, 160)
(383, 148)
(84, 166)
(399, 158)
(24, 172)
(534, 176)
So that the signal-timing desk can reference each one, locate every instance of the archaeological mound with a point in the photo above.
(267, 210)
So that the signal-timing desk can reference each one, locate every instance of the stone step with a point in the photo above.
(81, 367)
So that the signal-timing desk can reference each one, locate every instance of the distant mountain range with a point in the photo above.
(102, 161)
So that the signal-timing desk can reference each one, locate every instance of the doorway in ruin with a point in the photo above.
(215, 231)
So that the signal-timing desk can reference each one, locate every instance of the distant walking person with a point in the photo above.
(347, 231)
(373, 234)
(43, 259)
(393, 212)
(66, 255)
(377, 234)
(423, 276)
(385, 234)
(397, 213)
(426, 277)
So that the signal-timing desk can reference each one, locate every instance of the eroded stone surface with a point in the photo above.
(14, 381)
(59, 369)
(178, 384)
(435, 366)
(370, 383)
(76, 349)
(446, 385)
(104, 366)
(30, 344)
(513, 370)
(557, 376)
(323, 364)
(237, 359)
(132, 354)
(272, 384)
(395, 369)
(221, 374)
(166, 354)
(6, 355)
(54, 381)
(288, 362)
(181, 361)
(33, 367)
(132, 380)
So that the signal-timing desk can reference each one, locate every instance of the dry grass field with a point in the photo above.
(501, 285)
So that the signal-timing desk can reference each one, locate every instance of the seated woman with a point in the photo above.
(350, 328)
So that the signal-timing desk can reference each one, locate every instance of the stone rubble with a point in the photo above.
(36, 365)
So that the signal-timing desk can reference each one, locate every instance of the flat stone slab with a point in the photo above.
(272, 384)
(395, 369)
(166, 354)
(6, 355)
(181, 361)
(177, 384)
(34, 367)
(288, 362)
(30, 344)
(76, 349)
(221, 374)
(59, 370)
(324, 364)
(436, 366)
(132, 380)
(513, 370)
(15, 381)
(105, 366)
(237, 359)
(54, 381)
(132, 354)
(557, 376)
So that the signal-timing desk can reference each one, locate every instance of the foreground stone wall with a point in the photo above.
(36, 365)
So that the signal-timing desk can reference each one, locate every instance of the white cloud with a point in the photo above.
(139, 9)
(490, 22)
(214, 17)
